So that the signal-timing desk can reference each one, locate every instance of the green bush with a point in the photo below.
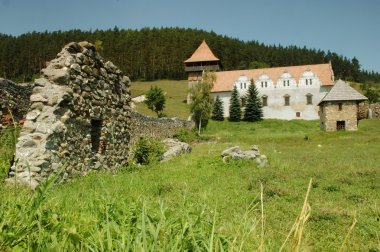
(188, 136)
(147, 151)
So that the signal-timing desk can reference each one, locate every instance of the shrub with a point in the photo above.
(188, 136)
(147, 151)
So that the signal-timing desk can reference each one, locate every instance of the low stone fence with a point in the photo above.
(146, 126)
(15, 97)
(364, 109)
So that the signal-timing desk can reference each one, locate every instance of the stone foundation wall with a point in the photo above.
(16, 98)
(363, 110)
(146, 126)
(330, 114)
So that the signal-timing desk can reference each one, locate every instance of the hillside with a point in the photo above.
(198, 201)
(175, 94)
(153, 54)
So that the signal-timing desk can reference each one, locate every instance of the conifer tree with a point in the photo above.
(235, 110)
(217, 111)
(253, 107)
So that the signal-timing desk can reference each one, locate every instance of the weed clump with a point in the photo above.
(148, 151)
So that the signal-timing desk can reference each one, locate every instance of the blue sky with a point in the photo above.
(348, 27)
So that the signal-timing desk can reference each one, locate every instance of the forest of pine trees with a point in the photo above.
(158, 53)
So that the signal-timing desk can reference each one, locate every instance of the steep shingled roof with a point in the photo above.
(342, 91)
(203, 53)
(226, 79)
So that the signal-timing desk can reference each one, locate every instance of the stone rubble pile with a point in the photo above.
(174, 148)
(254, 153)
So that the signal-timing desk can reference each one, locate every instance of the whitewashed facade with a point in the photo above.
(286, 98)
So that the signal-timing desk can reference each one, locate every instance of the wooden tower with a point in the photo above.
(201, 60)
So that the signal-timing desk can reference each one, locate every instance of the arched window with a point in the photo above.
(264, 100)
(309, 99)
(286, 100)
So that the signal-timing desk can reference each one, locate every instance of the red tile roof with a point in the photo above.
(226, 79)
(203, 53)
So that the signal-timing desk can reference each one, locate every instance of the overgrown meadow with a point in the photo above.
(197, 202)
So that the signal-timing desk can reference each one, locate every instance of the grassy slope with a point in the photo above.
(96, 210)
(345, 170)
(176, 92)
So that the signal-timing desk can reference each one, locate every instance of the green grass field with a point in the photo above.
(176, 93)
(196, 202)
(199, 203)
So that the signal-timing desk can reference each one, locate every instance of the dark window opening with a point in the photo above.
(341, 125)
(309, 99)
(286, 100)
(340, 106)
(265, 100)
(96, 130)
(243, 101)
(298, 114)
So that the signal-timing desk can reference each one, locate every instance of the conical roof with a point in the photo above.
(203, 53)
(341, 91)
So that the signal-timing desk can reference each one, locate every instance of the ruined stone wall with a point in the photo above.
(146, 126)
(363, 110)
(79, 118)
(330, 114)
(14, 97)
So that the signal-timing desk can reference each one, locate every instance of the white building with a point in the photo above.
(291, 92)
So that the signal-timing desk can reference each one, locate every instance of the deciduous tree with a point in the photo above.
(201, 101)
(155, 100)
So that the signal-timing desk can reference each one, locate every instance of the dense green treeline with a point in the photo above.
(158, 53)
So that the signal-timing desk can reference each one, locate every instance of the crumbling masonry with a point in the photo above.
(79, 115)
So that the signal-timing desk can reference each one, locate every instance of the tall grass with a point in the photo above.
(8, 138)
(198, 203)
